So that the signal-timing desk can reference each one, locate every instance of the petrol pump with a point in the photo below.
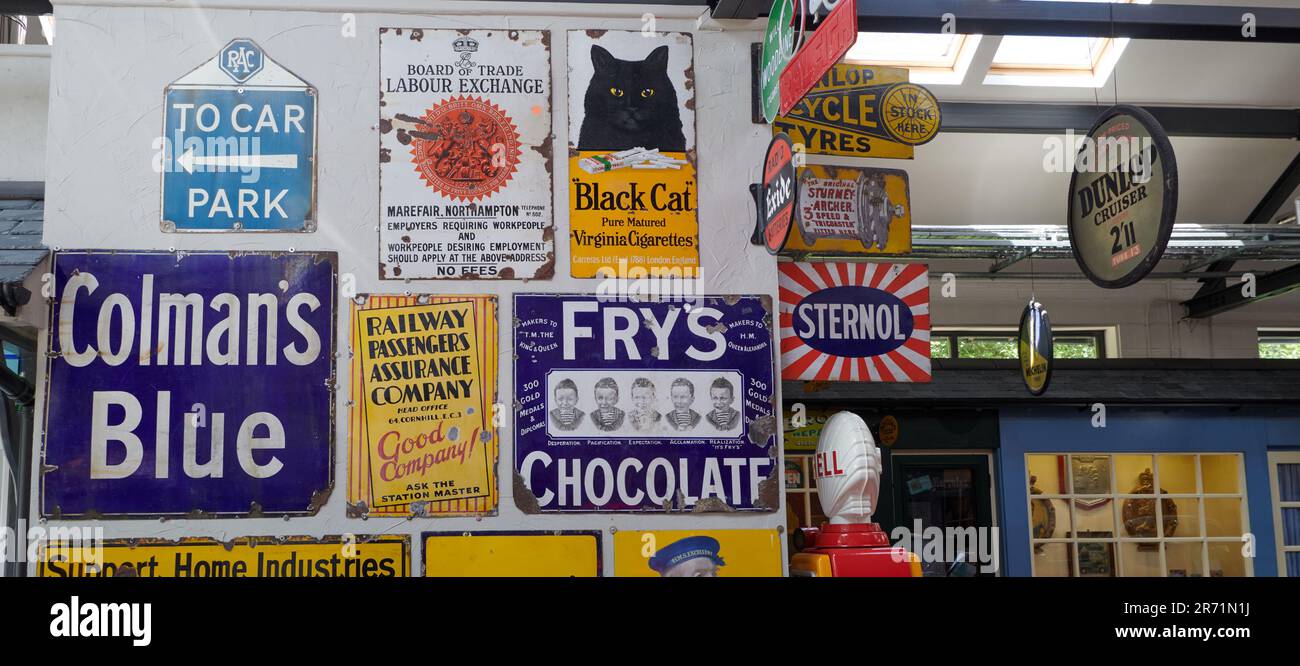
(848, 472)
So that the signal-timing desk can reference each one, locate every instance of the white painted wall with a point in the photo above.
(24, 91)
(110, 66)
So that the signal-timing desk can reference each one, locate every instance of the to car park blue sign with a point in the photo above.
(239, 146)
(189, 382)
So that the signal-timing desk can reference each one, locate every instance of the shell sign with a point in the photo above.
(855, 322)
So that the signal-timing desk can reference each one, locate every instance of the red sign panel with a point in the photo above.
(828, 44)
(777, 198)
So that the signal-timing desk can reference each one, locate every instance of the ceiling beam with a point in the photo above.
(1230, 297)
(29, 7)
(1080, 19)
(1277, 197)
(1018, 118)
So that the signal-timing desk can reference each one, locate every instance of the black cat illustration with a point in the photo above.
(631, 103)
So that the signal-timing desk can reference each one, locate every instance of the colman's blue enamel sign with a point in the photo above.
(189, 382)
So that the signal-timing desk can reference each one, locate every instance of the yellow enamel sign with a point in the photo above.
(852, 210)
(633, 194)
(245, 557)
(534, 554)
(421, 436)
(697, 553)
(862, 111)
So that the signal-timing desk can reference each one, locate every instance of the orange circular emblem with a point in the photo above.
(466, 148)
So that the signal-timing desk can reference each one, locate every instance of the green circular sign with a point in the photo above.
(1035, 348)
(1123, 197)
(778, 47)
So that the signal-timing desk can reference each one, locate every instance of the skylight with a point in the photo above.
(930, 58)
(1057, 61)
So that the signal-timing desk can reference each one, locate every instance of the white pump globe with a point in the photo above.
(848, 470)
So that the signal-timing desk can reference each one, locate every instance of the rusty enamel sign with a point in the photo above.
(465, 154)
(189, 383)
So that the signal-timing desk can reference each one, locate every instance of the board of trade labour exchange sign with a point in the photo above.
(861, 111)
(198, 381)
(239, 146)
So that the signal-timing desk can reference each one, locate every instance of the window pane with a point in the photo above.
(1178, 474)
(1094, 519)
(1223, 517)
(1288, 482)
(1291, 529)
(1096, 559)
(1090, 474)
(940, 348)
(1141, 559)
(1221, 474)
(1056, 52)
(912, 49)
(1075, 348)
(1184, 559)
(1133, 475)
(1052, 560)
(1293, 564)
(1226, 559)
(1047, 474)
(1050, 518)
(815, 515)
(1186, 518)
(986, 347)
(1288, 348)
(794, 474)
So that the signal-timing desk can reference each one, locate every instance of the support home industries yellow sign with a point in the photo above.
(245, 557)
(421, 438)
(861, 111)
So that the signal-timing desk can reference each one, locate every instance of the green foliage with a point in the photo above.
(940, 348)
(1286, 350)
(1075, 348)
(986, 347)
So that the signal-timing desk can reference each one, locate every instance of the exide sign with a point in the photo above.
(855, 322)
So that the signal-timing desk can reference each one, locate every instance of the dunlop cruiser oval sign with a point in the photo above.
(855, 322)
(1123, 197)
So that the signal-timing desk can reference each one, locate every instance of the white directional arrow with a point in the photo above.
(188, 160)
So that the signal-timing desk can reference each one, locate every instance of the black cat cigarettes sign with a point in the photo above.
(465, 154)
(632, 187)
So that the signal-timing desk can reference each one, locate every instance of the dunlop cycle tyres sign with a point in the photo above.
(1123, 197)
(189, 383)
(861, 111)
